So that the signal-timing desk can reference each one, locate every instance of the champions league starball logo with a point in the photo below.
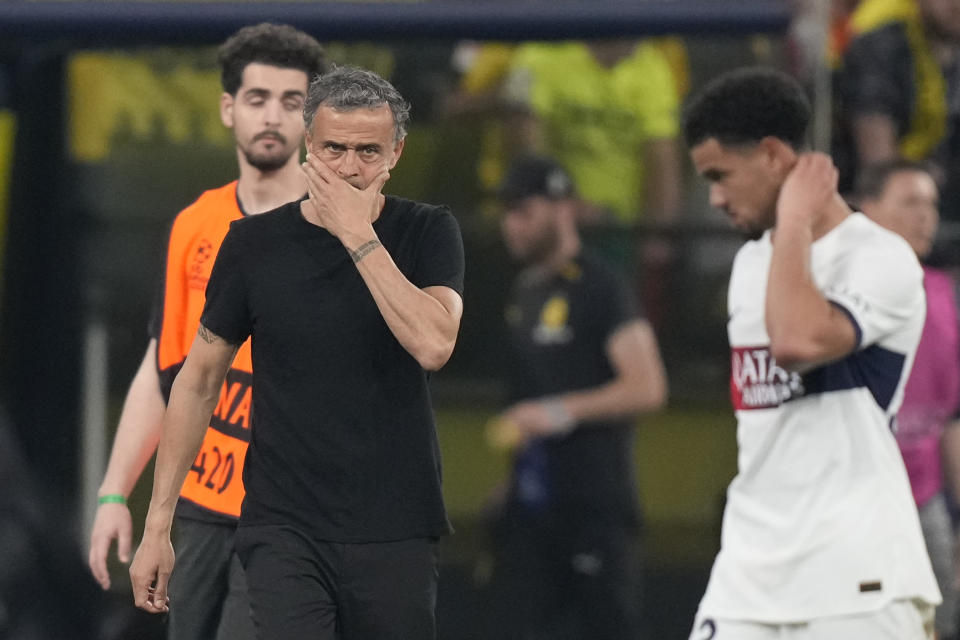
(200, 264)
(757, 382)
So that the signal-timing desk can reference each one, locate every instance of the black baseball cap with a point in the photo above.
(533, 175)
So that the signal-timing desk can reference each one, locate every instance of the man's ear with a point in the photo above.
(226, 109)
(780, 155)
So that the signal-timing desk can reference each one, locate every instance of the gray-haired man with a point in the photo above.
(350, 297)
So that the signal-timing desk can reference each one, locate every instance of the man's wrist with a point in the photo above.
(561, 418)
(156, 524)
(365, 249)
(793, 223)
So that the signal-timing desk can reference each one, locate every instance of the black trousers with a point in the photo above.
(563, 577)
(307, 589)
(208, 591)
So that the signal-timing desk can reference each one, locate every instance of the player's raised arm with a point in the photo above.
(805, 329)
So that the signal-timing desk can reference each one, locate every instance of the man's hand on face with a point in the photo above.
(344, 210)
(808, 190)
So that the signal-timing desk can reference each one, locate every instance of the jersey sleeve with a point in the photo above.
(615, 303)
(226, 311)
(440, 260)
(880, 290)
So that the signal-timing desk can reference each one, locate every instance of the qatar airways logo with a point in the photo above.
(756, 382)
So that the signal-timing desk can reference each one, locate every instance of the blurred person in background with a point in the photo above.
(607, 111)
(265, 72)
(519, 124)
(898, 92)
(349, 297)
(902, 196)
(821, 539)
(44, 590)
(805, 42)
(585, 364)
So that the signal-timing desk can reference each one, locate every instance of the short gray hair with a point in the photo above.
(347, 88)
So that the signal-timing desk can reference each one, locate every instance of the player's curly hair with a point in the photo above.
(746, 105)
(278, 45)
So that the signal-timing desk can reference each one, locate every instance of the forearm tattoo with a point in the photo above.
(361, 252)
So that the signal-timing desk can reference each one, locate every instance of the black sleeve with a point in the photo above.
(440, 260)
(615, 302)
(226, 311)
(877, 74)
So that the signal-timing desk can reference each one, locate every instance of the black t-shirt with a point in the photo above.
(559, 328)
(345, 445)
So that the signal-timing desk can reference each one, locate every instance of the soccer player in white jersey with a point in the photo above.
(821, 539)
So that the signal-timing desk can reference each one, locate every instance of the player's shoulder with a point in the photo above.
(861, 237)
(755, 249)
(221, 201)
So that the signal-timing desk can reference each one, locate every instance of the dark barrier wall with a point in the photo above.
(178, 22)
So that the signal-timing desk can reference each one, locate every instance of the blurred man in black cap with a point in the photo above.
(585, 364)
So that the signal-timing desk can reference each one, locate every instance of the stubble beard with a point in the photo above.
(267, 162)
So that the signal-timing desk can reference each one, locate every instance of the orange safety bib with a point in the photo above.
(215, 478)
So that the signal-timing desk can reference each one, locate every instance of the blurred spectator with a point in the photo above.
(626, 93)
(483, 68)
(45, 591)
(606, 110)
(898, 92)
(585, 364)
(902, 197)
(805, 38)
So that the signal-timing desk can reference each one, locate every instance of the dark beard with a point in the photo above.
(265, 163)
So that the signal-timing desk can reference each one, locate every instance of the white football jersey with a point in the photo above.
(820, 520)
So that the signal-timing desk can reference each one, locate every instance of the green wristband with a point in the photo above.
(112, 498)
